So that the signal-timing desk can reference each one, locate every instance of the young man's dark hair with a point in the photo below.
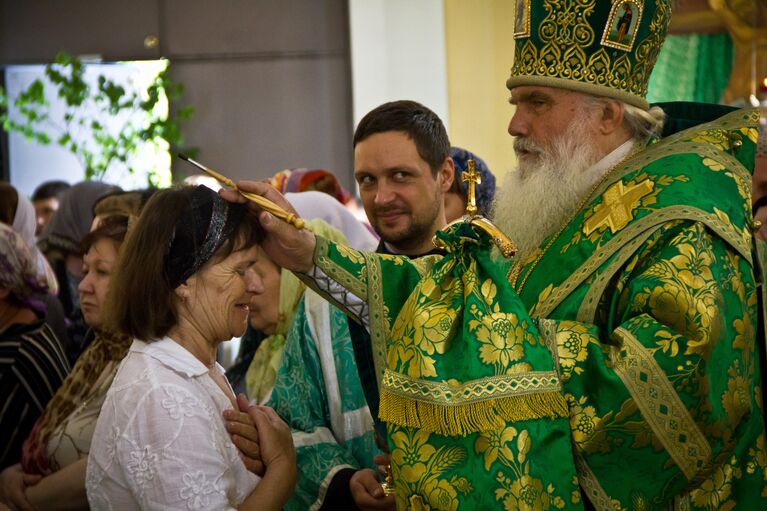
(422, 125)
(50, 189)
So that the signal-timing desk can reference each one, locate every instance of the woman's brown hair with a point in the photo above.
(141, 302)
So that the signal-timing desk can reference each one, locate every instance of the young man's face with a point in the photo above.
(44, 211)
(402, 198)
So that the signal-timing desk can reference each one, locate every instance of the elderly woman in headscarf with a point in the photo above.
(32, 360)
(306, 370)
(268, 312)
(60, 242)
(185, 279)
(18, 212)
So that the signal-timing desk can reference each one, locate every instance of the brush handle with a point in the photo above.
(274, 209)
(261, 202)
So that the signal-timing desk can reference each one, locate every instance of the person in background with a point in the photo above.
(18, 212)
(455, 198)
(317, 392)
(120, 203)
(60, 242)
(46, 198)
(185, 279)
(304, 180)
(310, 205)
(32, 360)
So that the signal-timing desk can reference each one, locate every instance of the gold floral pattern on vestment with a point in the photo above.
(588, 309)
(758, 461)
(418, 469)
(715, 491)
(517, 489)
(660, 405)
(357, 284)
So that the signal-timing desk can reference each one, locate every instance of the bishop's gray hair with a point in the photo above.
(641, 124)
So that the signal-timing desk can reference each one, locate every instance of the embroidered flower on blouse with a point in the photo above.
(111, 443)
(142, 466)
(196, 490)
(178, 403)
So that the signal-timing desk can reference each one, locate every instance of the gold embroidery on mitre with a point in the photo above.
(617, 207)
(623, 24)
(565, 53)
(522, 19)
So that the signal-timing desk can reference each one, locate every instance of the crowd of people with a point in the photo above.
(614, 361)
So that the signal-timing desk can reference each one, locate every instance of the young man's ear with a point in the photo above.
(446, 174)
(612, 117)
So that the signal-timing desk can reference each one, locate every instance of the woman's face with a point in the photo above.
(219, 294)
(265, 304)
(98, 264)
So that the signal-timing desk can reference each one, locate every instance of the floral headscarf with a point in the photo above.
(18, 267)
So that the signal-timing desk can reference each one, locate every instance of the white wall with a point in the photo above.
(398, 52)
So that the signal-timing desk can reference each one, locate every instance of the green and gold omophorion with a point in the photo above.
(648, 305)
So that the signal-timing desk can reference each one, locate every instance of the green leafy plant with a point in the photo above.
(88, 129)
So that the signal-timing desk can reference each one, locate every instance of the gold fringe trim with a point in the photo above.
(464, 419)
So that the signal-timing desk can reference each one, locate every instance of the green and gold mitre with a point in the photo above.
(600, 47)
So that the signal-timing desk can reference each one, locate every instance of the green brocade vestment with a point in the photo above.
(647, 301)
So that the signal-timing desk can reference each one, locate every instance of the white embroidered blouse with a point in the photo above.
(160, 441)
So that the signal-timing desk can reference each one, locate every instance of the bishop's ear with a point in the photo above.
(612, 117)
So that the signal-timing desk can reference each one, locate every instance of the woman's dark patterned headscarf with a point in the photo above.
(201, 229)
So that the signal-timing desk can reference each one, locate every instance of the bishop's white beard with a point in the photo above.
(538, 196)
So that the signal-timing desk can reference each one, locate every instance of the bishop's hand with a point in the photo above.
(287, 246)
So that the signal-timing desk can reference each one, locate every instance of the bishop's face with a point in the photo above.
(543, 116)
(555, 145)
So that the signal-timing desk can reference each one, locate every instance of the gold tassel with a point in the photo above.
(464, 419)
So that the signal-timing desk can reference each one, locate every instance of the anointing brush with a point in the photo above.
(261, 202)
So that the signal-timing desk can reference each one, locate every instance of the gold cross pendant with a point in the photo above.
(471, 177)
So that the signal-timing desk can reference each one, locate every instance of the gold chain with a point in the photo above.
(637, 148)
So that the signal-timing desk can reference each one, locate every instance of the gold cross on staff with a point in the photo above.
(617, 207)
(473, 179)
